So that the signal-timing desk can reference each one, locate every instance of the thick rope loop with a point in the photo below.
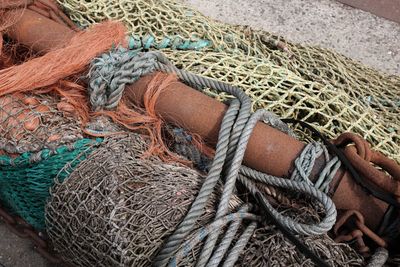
(325, 225)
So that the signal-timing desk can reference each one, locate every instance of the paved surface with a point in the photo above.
(17, 252)
(357, 34)
(389, 9)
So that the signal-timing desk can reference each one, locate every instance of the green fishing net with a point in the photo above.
(334, 93)
(37, 140)
(25, 180)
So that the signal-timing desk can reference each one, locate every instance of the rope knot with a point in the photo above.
(110, 73)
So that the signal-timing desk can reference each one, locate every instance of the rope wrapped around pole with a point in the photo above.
(108, 77)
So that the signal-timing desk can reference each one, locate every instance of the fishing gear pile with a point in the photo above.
(109, 182)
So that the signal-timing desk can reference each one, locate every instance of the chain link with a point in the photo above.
(350, 227)
(22, 229)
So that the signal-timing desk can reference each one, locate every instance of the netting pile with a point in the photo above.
(269, 247)
(111, 206)
(117, 207)
(37, 141)
(331, 91)
(42, 112)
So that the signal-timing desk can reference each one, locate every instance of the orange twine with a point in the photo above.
(57, 72)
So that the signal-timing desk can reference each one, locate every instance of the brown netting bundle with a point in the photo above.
(269, 247)
(116, 207)
(329, 90)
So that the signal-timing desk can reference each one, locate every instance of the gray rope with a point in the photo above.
(379, 258)
(322, 227)
(112, 71)
(197, 208)
(305, 163)
(203, 232)
(234, 254)
(224, 244)
(107, 84)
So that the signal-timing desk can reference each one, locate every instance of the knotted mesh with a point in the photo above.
(117, 207)
(297, 81)
(37, 139)
(32, 123)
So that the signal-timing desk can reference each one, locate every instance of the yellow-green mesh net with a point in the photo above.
(333, 92)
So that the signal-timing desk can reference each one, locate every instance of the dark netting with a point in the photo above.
(269, 247)
(116, 207)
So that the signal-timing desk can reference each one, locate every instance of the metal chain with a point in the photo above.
(22, 229)
(350, 226)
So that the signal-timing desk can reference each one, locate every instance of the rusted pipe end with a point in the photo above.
(39, 33)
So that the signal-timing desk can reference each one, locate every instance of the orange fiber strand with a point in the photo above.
(63, 62)
(156, 87)
(144, 119)
(73, 98)
(9, 14)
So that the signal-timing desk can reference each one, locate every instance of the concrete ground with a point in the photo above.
(357, 34)
(18, 252)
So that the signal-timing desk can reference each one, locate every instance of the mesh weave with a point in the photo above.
(32, 123)
(269, 247)
(36, 141)
(26, 179)
(116, 207)
(308, 83)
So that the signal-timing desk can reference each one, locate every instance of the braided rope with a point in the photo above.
(236, 128)
(110, 72)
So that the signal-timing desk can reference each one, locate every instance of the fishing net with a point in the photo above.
(269, 247)
(26, 179)
(37, 139)
(43, 111)
(32, 123)
(116, 207)
(313, 84)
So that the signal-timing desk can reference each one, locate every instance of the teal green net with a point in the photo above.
(25, 180)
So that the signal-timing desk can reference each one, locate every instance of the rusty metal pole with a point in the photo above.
(269, 150)
(40, 33)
